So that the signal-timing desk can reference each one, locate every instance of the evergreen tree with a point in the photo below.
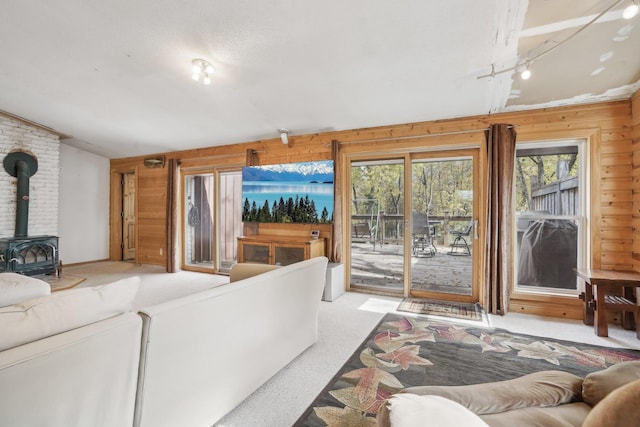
(246, 210)
(324, 218)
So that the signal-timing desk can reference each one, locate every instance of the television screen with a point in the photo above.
(288, 193)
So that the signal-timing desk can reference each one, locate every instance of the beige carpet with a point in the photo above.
(65, 281)
(156, 285)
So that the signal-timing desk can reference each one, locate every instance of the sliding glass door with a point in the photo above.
(431, 252)
(212, 203)
(198, 214)
(377, 225)
(443, 242)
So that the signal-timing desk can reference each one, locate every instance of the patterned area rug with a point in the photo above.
(457, 310)
(409, 351)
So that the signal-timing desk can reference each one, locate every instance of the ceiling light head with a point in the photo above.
(284, 135)
(631, 10)
(526, 73)
(201, 69)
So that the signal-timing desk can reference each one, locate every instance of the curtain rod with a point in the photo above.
(420, 136)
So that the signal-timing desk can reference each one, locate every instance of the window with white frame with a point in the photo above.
(550, 216)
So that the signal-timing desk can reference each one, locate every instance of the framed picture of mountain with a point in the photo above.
(288, 193)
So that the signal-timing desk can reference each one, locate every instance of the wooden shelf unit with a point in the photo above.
(278, 250)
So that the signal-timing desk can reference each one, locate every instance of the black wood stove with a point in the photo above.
(29, 255)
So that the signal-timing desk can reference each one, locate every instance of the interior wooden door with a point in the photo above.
(129, 217)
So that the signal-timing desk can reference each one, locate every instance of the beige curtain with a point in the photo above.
(336, 232)
(500, 148)
(173, 173)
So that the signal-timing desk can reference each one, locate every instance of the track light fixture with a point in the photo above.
(631, 10)
(526, 73)
(284, 136)
(201, 69)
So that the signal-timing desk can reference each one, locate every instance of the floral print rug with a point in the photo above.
(404, 351)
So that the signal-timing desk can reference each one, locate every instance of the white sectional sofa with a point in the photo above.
(186, 362)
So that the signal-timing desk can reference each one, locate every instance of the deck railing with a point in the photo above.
(557, 198)
(389, 228)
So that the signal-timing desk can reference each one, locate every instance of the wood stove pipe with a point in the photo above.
(23, 166)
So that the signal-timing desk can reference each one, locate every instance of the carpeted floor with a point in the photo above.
(156, 285)
(457, 310)
(408, 351)
(62, 282)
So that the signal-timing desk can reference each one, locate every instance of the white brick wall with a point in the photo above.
(43, 186)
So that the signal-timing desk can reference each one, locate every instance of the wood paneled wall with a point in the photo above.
(635, 146)
(607, 127)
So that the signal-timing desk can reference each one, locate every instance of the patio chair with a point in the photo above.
(361, 230)
(460, 246)
(422, 244)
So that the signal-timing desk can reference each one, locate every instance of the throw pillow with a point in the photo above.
(15, 287)
(61, 311)
(245, 270)
(618, 409)
(410, 410)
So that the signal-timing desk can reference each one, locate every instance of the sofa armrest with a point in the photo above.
(82, 377)
(540, 389)
(245, 270)
(597, 385)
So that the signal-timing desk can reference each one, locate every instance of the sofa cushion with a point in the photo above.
(540, 389)
(409, 410)
(597, 385)
(567, 415)
(618, 409)
(16, 287)
(61, 311)
(245, 270)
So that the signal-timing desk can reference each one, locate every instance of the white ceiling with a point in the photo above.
(114, 75)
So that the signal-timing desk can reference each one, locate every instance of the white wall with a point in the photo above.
(83, 206)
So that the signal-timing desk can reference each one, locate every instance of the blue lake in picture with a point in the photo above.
(259, 191)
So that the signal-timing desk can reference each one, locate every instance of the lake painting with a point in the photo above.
(288, 193)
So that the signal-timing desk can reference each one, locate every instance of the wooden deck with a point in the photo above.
(382, 267)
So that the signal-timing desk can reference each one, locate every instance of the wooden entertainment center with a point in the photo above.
(279, 250)
(283, 244)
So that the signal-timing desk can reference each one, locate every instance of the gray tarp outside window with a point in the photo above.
(548, 254)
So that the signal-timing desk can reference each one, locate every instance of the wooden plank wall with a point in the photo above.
(607, 126)
(635, 144)
(151, 217)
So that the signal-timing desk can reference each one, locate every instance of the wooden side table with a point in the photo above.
(601, 287)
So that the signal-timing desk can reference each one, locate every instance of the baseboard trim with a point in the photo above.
(546, 308)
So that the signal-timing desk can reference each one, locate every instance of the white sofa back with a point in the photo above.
(204, 353)
(82, 377)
